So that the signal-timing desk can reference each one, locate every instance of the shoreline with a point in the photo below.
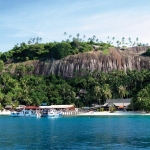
(107, 113)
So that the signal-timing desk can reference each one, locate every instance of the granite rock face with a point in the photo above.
(79, 64)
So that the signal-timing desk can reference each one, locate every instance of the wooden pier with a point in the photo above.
(71, 113)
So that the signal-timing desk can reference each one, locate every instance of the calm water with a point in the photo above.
(84, 133)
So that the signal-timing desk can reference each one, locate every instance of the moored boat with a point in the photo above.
(29, 111)
(54, 113)
(5, 112)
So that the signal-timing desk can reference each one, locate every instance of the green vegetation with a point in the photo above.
(22, 87)
(106, 51)
(141, 101)
(147, 53)
(27, 89)
(56, 50)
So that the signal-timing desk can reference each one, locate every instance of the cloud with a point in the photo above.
(27, 33)
(49, 20)
(119, 24)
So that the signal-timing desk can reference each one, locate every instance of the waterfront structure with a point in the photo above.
(29, 111)
(59, 107)
(118, 103)
(9, 107)
(64, 109)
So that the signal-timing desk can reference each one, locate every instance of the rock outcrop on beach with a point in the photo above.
(117, 59)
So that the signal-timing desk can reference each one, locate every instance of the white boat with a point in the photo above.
(5, 112)
(54, 113)
(26, 112)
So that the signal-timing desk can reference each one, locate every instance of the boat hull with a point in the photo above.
(5, 113)
(24, 114)
(54, 115)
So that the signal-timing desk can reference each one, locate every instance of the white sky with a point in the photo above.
(49, 19)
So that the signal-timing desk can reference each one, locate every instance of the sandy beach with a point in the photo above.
(107, 113)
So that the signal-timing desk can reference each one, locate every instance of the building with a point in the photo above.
(62, 107)
(118, 103)
(8, 107)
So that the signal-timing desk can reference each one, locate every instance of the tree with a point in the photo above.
(137, 39)
(1, 65)
(61, 50)
(20, 70)
(113, 39)
(70, 36)
(84, 36)
(65, 33)
(78, 35)
(123, 40)
(97, 92)
(106, 92)
(1, 97)
(97, 40)
(122, 92)
(94, 37)
(142, 100)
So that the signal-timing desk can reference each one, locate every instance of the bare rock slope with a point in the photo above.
(73, 65)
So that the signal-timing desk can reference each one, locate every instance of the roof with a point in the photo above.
(57, 106)
(121, 104)
(127, 100)
(31, 107)
(45, 107)
(9, 106)
(20, 107)
(105, 104)
(117, 104)
(108, 104)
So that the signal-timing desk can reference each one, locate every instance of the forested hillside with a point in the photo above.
(22, 81)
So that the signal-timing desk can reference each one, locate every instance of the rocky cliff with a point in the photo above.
(117, 59)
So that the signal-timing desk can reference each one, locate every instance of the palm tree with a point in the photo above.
(40, 39)
(97, 92)
(94, 37)
(129, 40)
(78, 35)
(97, 40)
(84, 36)
(65, 33)
(137, 39)
(123, 40)
(122, 92)
(113, 39)
(1, 96)
(118, 43)
(106, 91)
(70, 36)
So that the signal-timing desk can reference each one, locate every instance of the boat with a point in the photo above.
(44, 112)
(5, 112)
(25, 113)
(54, 113)
(29, 111)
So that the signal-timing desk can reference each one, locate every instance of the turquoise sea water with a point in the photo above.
(71, 133)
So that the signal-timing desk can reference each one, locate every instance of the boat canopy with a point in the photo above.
(56, 106)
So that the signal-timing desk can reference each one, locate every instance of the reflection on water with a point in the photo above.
(107, 132)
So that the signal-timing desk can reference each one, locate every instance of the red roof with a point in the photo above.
(31, 107)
